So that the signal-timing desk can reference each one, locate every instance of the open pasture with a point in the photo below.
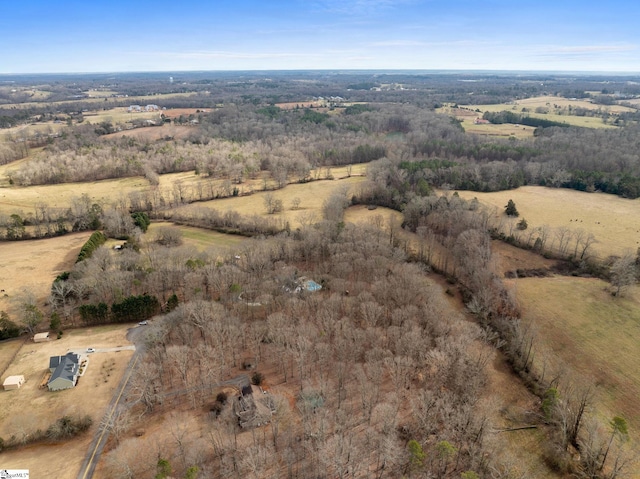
(552, 103)
(312, 196)
(555, 103)
(32, 130)
(557, 110)
(592, 332)
(34, 264)
(468, 115)
(634, 102)
(24, 199)
(30, 407)
(154, 133)
(504, 130)
(614, 221)
(202, 239)
(132, 100)
(292, 105)
(120, 115)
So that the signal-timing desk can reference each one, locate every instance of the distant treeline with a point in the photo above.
(500, 117)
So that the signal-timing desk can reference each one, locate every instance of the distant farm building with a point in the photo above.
(133, 108)
(41, 337)
(64, 372)
(13, 382)
(481, 121)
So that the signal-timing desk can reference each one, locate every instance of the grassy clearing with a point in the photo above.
(312, 196)
(504, 130)
(154, 133)
(594, 333)
(468, 117)
(90, 396)
(614, 221)
(34, 265)
(31, 130)
(24, 199)
(120, 115)
(133, 100)
(555, 106)
(201, 238)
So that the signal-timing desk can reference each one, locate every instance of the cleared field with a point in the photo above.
(131, 100)
(468, 117)
(31, 130)
(22, 200)
(504, 130)
(554, 102)
(292, 105)
(312, 196)
(59, 196)
(32, 407)
(614, 221)
(34, 265)
(201, 238)
(594, 333)
(555, 105)
(120, 115)
(153, 133)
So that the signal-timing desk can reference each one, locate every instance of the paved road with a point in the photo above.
(134, 335)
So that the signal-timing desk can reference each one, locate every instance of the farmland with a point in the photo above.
(379, 352)
(31, 407)
(582, 325)
(558, 109)
(34, 264)
(612, 220)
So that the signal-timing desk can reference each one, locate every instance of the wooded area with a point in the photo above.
(374, 372)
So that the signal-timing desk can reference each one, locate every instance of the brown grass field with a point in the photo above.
(34, 264)
(120, 115)
(312, 196)
(22, 200)
(154, 133)
(200, 238)
(31, 130)
(133, 100)
(554, 105)
(292, 105)
(614, 221)
(467, 117)
(16, 199)
(32, 407)
(594, 333)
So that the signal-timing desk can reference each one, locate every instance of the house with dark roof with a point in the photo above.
(64, 372)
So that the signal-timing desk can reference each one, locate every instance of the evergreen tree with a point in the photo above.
(511, 209)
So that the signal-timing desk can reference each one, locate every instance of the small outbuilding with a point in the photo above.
(13, 382)
(41, 337)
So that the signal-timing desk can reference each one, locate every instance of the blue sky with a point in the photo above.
(43, 36)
